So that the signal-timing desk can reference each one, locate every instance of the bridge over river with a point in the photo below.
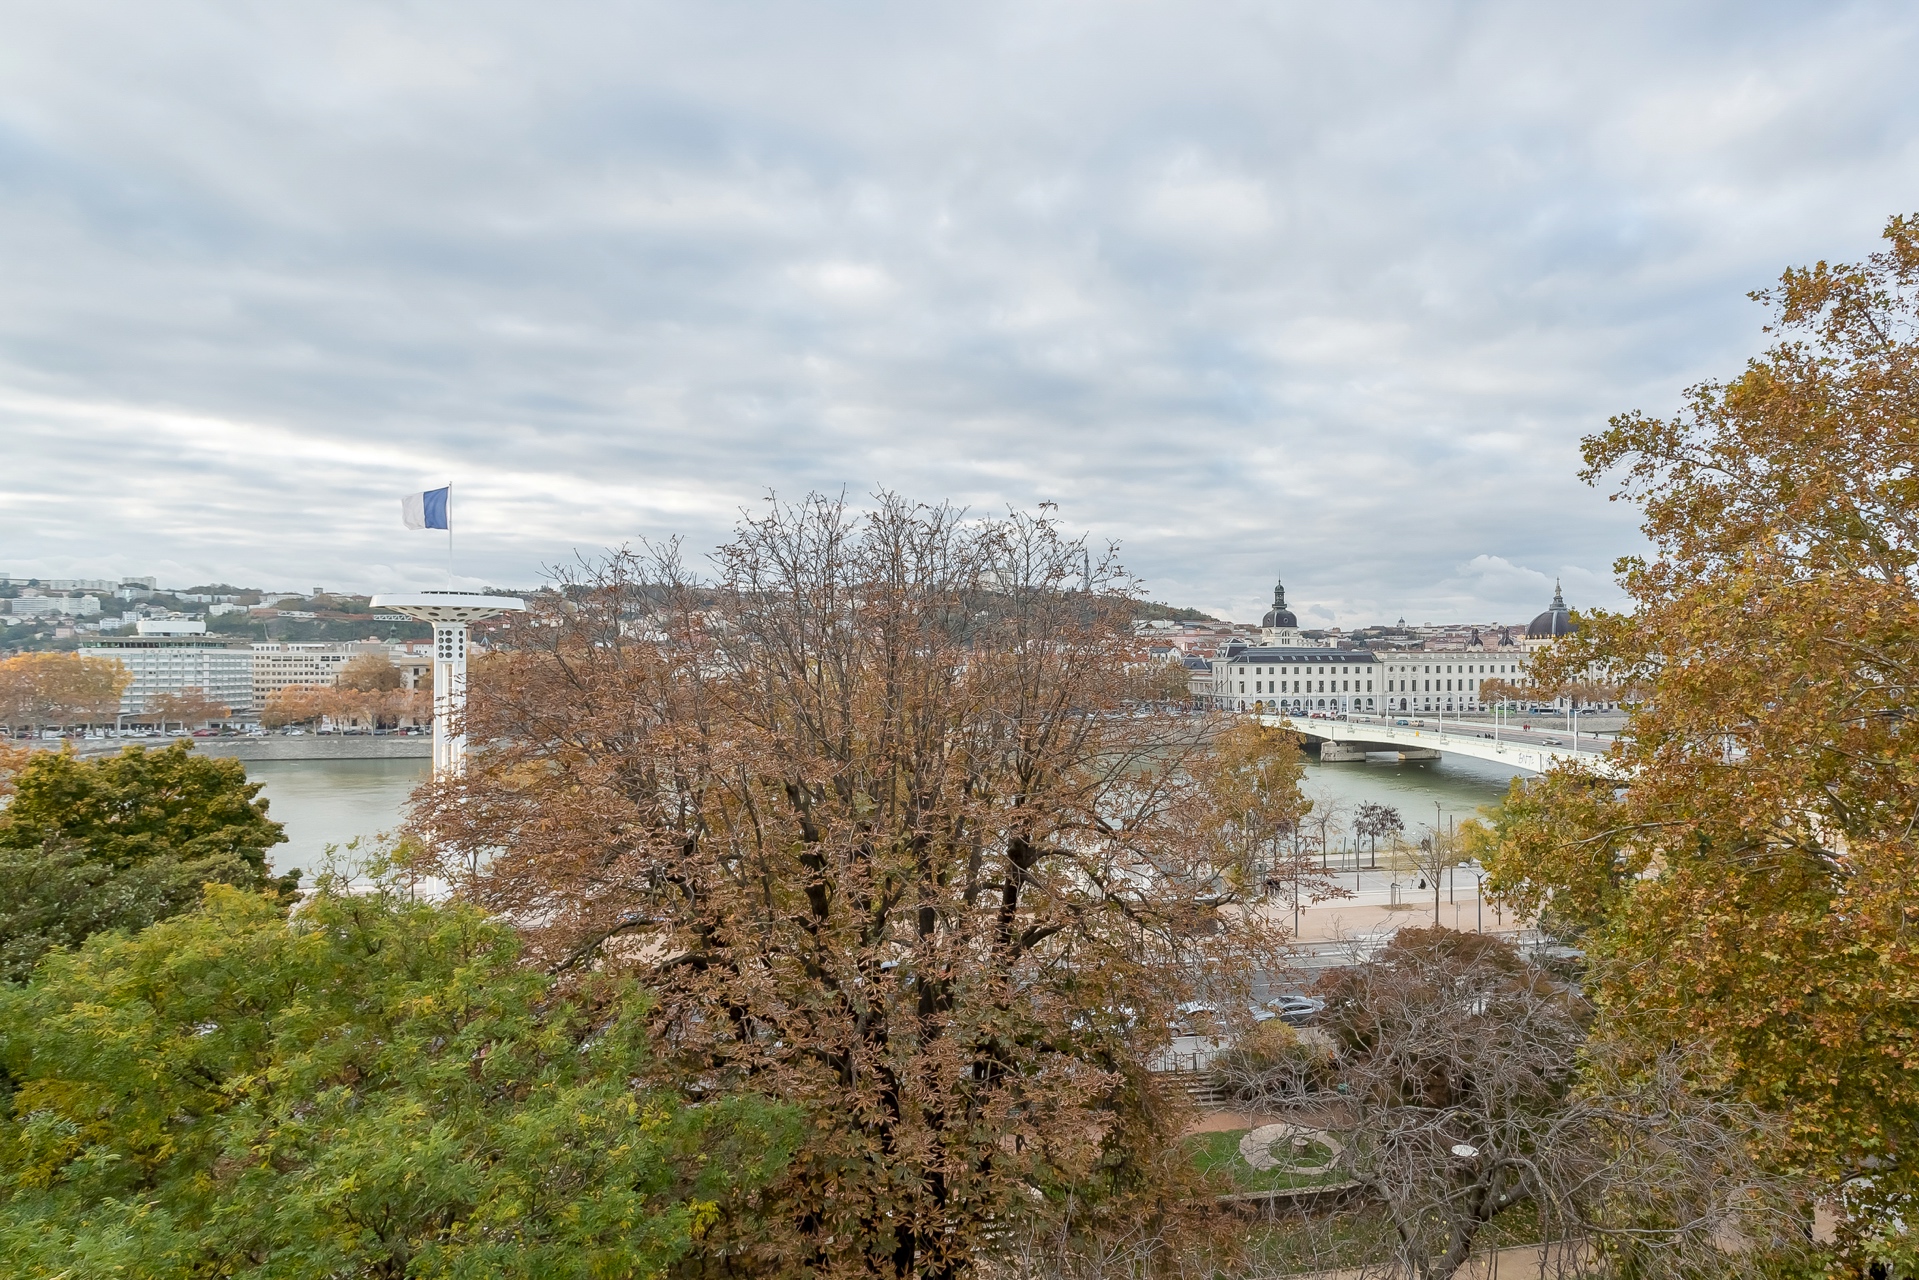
(1356, 737)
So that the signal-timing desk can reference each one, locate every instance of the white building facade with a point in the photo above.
(170, 658)
(1440, 680)
(1295, 681)
(169, 664)
(1285, 674)
(44, 606)
(308, 664)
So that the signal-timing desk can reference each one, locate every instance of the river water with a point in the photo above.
(1441, 792)
(333, 802)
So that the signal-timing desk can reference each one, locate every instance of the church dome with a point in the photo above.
(1556, 621)
(1279, 616)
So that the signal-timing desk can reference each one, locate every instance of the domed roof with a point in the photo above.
(1279, 615)
(1556, 621)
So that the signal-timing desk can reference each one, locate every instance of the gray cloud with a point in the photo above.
(1252, 288)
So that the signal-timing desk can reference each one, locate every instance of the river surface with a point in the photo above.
(333, 802)
(1446, 791)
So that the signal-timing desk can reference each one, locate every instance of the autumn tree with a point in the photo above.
(118, 843)
(376, 1087)
(1326, 817)
(894, 829)
(1432, 856)
(1461, 1090)
(294, 704)
(1752, 883)
(39, 689)
(370, 673)
(12, 759)
(187, 707)
(1249, 785)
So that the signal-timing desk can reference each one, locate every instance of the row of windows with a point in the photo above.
(1464, 668)
(1339, 686)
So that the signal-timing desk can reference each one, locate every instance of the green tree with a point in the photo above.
(1754, 887)
(117, 843)
(374, 1087)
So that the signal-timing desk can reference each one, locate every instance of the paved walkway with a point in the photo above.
(1368, 913)
(1526, 1262)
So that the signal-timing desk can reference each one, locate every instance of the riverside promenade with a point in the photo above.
(311, 746)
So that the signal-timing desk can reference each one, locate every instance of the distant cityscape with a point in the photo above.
(60, 613)
(239, 646)
(233, 647)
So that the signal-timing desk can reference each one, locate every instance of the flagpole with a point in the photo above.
(449, 535)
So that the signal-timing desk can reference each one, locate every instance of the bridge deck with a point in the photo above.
(1519, 750)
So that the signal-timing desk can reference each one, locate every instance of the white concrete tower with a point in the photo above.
(449, 612)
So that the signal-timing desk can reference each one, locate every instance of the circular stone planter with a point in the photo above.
(1289, 1146)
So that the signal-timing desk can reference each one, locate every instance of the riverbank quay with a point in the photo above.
(321, 746)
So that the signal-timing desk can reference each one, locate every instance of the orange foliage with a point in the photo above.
(892, 829)
(60, 689)
(1755, 887)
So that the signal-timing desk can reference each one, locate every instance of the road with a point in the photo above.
(1596, 743)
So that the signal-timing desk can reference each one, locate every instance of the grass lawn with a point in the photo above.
(1217, 1155)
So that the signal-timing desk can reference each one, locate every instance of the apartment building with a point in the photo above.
(162, 664)
(281, 665)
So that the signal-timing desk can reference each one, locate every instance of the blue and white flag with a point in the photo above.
(426, 510)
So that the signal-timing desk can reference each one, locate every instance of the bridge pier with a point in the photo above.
(1331, 752)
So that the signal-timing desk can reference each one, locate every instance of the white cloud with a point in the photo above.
(1329, 293)
(1205, 209)
(849, 282)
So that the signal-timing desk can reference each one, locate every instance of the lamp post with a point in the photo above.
(451, 613)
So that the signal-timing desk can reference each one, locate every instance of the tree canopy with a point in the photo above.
(60, 688)
(374, 1087)
(894, 828)
(1751, 887)
(120, 842)
(1467, 1090)
(187, 707)
(370, 672)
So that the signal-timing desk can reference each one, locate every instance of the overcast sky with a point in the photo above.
(1323, 291)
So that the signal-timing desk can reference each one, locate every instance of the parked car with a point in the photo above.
(1196, 1018)
(1294, 1010)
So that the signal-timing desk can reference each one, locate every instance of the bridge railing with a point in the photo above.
(1480, 743)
